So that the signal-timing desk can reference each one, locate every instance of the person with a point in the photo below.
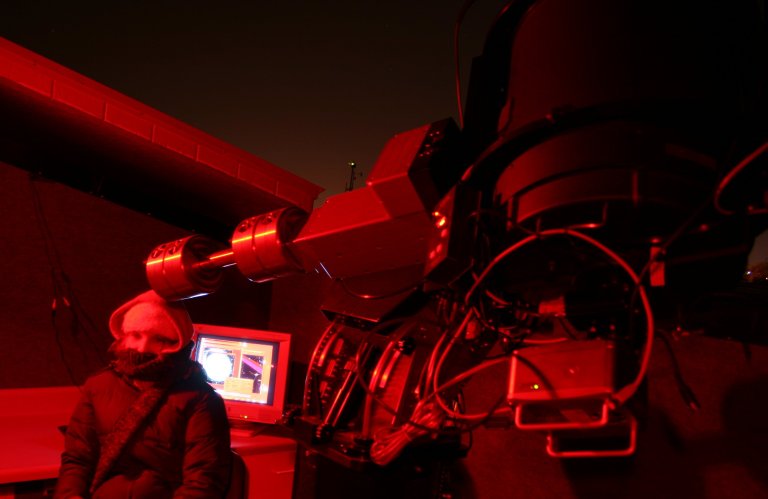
(148, 425)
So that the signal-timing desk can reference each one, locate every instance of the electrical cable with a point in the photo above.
(61, 282)
(373, 397)
(714, 200)
(471, 372)
(497, 299)
(433, 363)
(311, 375)
(427, 418)
(501, 331)
(689, 397)
(732, 174)
(462, 377)
(431, 413)
(683, 388)
(370, 391)
(567, 326)
(686, 392)
(435, 372)
(628, 390)
(389, 442)
(62, 288)
(456, 58)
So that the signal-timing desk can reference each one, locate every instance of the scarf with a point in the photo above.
(163, 371)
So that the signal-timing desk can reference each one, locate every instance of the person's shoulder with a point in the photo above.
(195, 375)
(103, 375)
(194, 390)
(100, 380)
(194, 380)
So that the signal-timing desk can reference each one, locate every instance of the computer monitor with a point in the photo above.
(247, 367)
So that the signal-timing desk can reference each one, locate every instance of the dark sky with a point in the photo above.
(307, 85)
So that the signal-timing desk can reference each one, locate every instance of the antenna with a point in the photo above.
(352, 176)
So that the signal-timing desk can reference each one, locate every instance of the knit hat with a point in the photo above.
(150, 312)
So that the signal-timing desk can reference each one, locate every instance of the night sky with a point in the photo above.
(306, 85)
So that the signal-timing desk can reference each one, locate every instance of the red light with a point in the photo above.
(440, 219)
(254, 236)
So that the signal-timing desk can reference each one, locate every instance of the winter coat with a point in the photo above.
(182, 450)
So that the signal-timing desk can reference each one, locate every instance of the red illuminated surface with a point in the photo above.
(255, 235)
(29, 423)
(53, 88)
(221, 259)
(440, 220)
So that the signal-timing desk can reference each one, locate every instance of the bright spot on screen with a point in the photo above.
(218, 366)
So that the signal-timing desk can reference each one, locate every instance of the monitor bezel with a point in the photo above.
(245, 412)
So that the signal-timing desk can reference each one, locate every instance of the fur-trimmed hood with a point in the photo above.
(151, 311)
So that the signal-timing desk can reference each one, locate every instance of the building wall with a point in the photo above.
(59, 243)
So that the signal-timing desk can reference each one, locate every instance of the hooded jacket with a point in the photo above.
(177, 446)
(181, 450)
(149, 310)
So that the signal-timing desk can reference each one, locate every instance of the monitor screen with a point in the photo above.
(247, 367)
